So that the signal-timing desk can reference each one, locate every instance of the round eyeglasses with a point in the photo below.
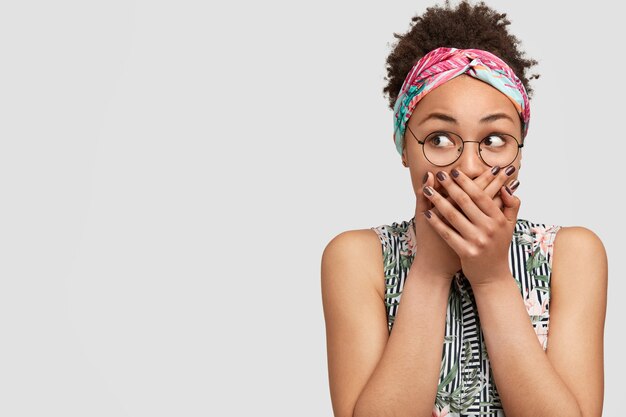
(443, 148)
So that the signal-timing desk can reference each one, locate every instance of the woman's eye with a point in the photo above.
(441, 140)
(494, 141)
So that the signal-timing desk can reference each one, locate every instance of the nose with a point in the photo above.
(469, 162)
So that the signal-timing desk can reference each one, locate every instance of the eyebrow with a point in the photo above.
(446, 118)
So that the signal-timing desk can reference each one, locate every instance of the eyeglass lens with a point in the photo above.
(443, 148)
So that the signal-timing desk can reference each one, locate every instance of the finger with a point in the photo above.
(430, 181)
(498, 202)
(503, 175)
(449, 235)
(444, 193)
(424, 203)
(513, 184)
(511, 203)
(479, 196)
(452, 214)
(463, 200)
(484, 179)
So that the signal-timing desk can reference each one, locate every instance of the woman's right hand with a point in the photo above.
(433, 255)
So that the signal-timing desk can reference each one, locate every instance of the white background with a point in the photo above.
(171, 172)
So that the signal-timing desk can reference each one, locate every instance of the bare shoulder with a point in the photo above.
(355, 316)
(578, 298)
(579, 274)
(359, 250)
(573, 242)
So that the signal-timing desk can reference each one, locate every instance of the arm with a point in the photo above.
(566, 380)
(373, 373)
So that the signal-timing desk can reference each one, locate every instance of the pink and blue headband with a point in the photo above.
(443, 64)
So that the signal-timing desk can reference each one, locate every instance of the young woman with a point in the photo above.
(498, 315)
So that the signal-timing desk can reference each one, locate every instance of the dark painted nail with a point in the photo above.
(428, 191)
(454, 173)
(508, 190)
(495, 170)
(427, 213)
(441, 176)
(509, 170)
(425, 178)
(514, 184)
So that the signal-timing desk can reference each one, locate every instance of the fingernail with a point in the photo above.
(428, 191)
(427, 213)
(495, 170)
(509, 170)
(514, 184)
(454, 173)
(425, 178)
(508, 190)
(441, 176)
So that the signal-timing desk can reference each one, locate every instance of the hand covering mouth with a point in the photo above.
(445, 195)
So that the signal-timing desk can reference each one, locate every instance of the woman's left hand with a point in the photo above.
(481, 233)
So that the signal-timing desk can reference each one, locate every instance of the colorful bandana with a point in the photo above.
(443, 64)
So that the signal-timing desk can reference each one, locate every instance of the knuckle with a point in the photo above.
(464, 199)
(481, 242)
(484, 199)
(452, 216)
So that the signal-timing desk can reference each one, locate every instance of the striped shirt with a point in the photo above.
(466, 384)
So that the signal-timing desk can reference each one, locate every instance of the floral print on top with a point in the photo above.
(466, 385)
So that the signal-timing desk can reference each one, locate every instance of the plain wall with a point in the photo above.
(171, 172)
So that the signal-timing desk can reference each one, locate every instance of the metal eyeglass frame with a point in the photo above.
(463, 142)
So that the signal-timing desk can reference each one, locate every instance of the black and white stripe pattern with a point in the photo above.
(466, 381)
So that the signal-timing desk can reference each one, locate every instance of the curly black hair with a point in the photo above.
(466, 26)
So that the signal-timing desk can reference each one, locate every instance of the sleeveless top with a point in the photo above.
(466, 385)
